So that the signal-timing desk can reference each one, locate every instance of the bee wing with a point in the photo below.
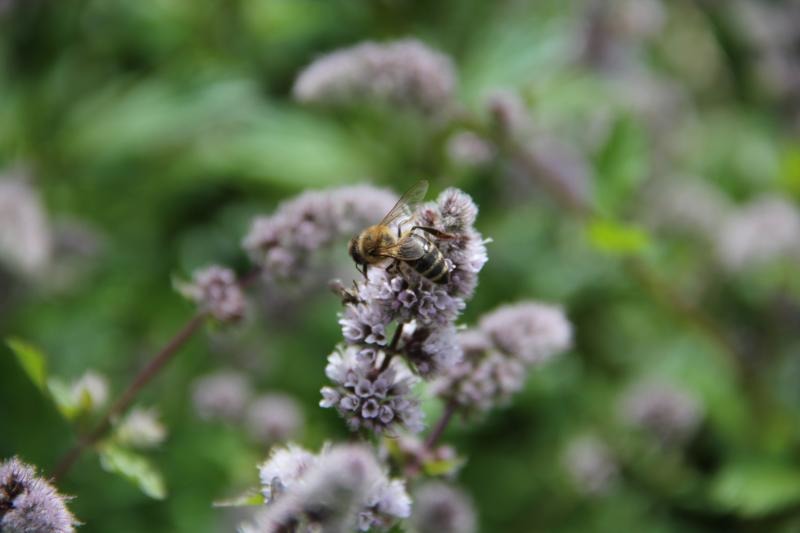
(404, 206)
(406, 249)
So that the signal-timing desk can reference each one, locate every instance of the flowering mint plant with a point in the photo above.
(398, 329)
(372, 375)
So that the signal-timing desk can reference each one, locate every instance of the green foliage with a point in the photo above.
(161, 128)
(32, 361)
(618, 239)
(755, 488)
(135, 468)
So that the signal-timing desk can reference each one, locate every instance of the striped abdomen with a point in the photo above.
(431, 264)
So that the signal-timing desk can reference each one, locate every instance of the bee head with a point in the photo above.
(352, 249)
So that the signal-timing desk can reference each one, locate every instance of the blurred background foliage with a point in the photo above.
(152, 131)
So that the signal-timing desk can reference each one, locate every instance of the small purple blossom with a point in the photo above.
(282, 244)
(29, 504)
(590, 465)
(274, 418)
(531, 331)
(441, 508)
(407, 73)
(432, 351)
(380, 401)
(499, 352)
(283, 468)
(216, 291)
(468, 149)
(220, 396)
(665, 412)
(765, 229)
(343, 488)
(482, 380)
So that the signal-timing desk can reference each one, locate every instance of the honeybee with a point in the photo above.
(380, 242)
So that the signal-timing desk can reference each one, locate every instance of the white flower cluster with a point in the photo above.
(343, 488)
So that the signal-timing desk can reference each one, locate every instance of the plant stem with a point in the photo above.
(392, 349)
(441, 425)
(126, 399)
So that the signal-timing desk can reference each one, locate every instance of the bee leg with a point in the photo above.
(435, 232)
(364, 271)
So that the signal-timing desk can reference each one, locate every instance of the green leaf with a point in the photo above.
(617, 238)
(443, 467)
(250, 498)
(69, 406)
(32, 361)
(756, 488)
(135, 468)
(621, 165)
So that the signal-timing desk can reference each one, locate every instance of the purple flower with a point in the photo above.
(498, 354)
(274, 418)
(432, 351)
(343, 488)
(368, 398)
(29, 503)
(216, 291)
(441, 508)
(667, 413)
(590, 465)
(407, 73)
(531, 331)
(220, 396)
(283, 243)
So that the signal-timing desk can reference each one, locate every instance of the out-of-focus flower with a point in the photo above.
(498, 353)
(282, 244)
(25, 237)
(407, 73)
(590, 465)
(221, 396)
(216, 290)
(685, 205)
(469, 149)
(484, 378)
(613, 30)
(531, 331)
(376, 400)
(283, 468)
(766, 229)
(773, 29)
(441, 508)
(29, 504)
(668, 414)
(141, 429)
(341, 489)
(274, 418)
(91, 388)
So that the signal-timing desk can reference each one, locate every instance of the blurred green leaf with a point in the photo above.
(621, 165)
(65, 401)
(756, 488)
(250, 498)
(617, 238)
(32, 361)
(790, 172)
(443, 467)
(135, 468)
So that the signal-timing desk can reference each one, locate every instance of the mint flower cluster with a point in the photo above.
(399, 326)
